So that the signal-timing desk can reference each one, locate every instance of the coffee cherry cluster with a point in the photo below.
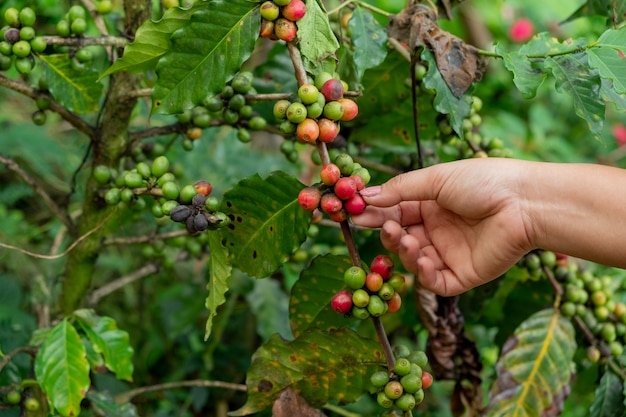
(338, 192)
(202, 213)
(74, 23)
(279, 17)
(403, 389)
(18, 40)
(230, 105)
(318, 111)
(370, 294)
(587, 299)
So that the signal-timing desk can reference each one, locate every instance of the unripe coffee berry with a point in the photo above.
(315, 110)
(379, 379)
(411, 383)
(354, 277)
(285, 30)
(394, 389)
(345, 163)
(270, 10)
(295, 10)
(280, 109)
(309, 198)
(384, 400)
(345, 188)
(402, 367)
(330, 204)
(333, 110)
(360, 313)
(361, 298)
(419, 358)
(386, 291)
(342, 302)
(332, 89)
(330, 174)
(308, 93)
(397, 281)
(376, 306)
(307, 131)
(296, 112)
(321, 78)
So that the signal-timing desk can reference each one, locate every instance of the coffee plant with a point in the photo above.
(178, 178)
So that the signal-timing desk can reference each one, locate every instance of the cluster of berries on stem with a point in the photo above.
(279, 19)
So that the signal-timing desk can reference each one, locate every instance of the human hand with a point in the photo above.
(455, 225)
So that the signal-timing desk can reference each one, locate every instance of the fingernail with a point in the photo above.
(370, 191)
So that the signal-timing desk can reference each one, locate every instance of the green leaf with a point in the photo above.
(573, 76)
(369, 39)
(106, 405)
(534, 369)
(112, 343)
(152, 41)
(62, 369)
(609, 94)
(309, 305)
(205, 54)
(317, 40)
(267, 224)
(269, 304)
(528, 74)
(445, 101)
(609, 399)
(219, 270)
(605, 8)
(606, 59)
(79, 92)
(320, 366)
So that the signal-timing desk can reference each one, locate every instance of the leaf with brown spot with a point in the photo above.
(459, 63)
(337, 370)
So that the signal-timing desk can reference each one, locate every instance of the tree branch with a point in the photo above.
(144, 239)
(32, 182)
(33, 93)
(156, 131)
(22, 349)
(127, 396)
(115, 41)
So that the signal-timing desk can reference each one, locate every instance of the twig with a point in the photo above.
(65, 252)
(384, 342)
(115, 41)
(604, 349)
(395, 44)
(97, 295)
(144, 239)
(340, 411)
(49, 201)
(349, 238)
(22, 349)
(368, 163)
(33, 93)
(127, 396)
(157, 131)
(97, 17)
(558, 290)
(298, 66)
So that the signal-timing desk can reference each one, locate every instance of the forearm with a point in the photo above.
(578, 209)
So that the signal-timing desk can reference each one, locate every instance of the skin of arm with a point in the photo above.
(461, 224)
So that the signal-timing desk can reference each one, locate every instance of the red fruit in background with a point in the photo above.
(350, 109)
(355, 205)
(267, 29)
(619, 131)
(330, 174)
(309, 198)
(374, 281)
(330, 203)
(521, 30)
(328, 130)
(332, 90)
(395, 303)
(342, 302)
(307, 131)
(345, 188)
(427, 380)
(382, 264)
(203, 187)
(285, 30)
(295, 10)
(338, 217)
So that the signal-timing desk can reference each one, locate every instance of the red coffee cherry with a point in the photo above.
(285, 30)
(332, 89)
(330, 174)
(345, 188)
(355, 205)
(295, 10)
(330, 203)
(328, 130)
(307, 131)
(342, 302)
(350, 109)
(382, 264)
(309, 198)
(267, 28)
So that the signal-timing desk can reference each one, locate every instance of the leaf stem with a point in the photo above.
(374, 9)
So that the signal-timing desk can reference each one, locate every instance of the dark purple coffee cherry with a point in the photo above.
(180, 213)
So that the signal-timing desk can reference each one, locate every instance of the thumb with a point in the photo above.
(419, 185)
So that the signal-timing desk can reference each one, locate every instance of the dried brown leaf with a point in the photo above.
(290, 404)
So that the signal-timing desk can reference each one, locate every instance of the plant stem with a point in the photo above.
(340, 411)
(384, 342)
(298, 65)
(116, 41)
(127, 396)
(374, 9)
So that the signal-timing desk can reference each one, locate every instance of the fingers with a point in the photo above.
(405, 213)
(419, 185)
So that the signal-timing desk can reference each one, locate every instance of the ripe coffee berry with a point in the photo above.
(339, 216)
(427, 380)
(373, 281)
(382, 264)
(350, 109)
(328, 130)
(309, 198)
(267, 29)
(330, 204)
(295, 10)
(330, 174)
(395, 303)
(345, 188)
(307, 131)
(203, 187)
(332, 89)
(342, 302)
(285, 29)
